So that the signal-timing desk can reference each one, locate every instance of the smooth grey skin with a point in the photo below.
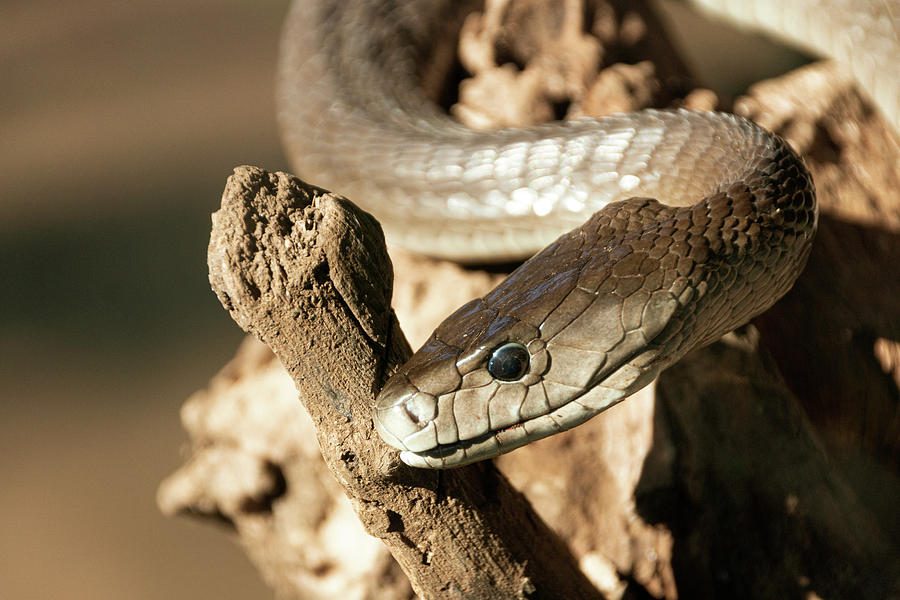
(696, 222)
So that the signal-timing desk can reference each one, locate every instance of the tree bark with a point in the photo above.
(307, 272)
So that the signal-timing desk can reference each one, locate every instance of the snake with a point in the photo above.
(650, 233)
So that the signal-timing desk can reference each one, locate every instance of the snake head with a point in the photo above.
(475, 393)
(474, 377)
(543, 352)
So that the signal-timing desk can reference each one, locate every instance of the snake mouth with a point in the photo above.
(501, 441)
(464, 452)
(617, 386)
(444, 451)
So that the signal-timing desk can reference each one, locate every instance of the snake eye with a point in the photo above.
(508, 361)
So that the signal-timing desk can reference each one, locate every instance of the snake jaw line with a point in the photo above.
(494, 443)
(417, 449)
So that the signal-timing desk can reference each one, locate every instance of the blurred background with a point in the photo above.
(119, 123)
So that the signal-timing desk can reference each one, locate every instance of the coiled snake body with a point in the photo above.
(696, 222)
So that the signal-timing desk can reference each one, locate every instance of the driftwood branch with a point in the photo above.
(307, 272)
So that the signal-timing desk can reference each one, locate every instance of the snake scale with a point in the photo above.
(680, 225)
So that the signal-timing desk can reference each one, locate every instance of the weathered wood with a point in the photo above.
(255, 465)
(307, 273)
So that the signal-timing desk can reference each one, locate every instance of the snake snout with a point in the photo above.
(404, 416)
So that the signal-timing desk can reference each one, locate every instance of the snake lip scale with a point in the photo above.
(671, 227)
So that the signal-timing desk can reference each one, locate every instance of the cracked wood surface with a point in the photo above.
(307, 272)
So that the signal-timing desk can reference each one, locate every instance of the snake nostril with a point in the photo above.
(421, 408)
(395, 392)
